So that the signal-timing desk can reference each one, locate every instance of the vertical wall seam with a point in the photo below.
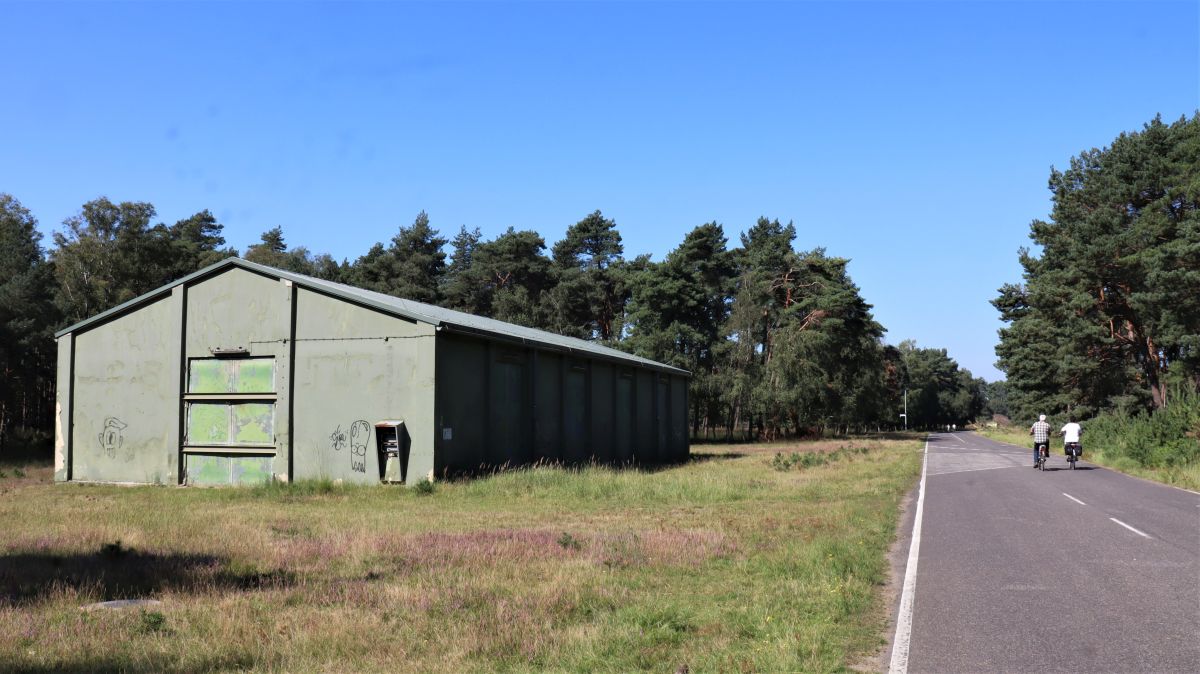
(291, 401)
(589, 411)
(532, 387)
(635, 432)
(616, 374)
(438, 422)
(489, 355)
(563, 364)
(70, 439)
(180, 460)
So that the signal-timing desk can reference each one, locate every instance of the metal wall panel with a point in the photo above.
(602, 412)
(646, 439)
(662, 417)
(461, 426)
(509, 411)
(623, 417)
(679, 418)
(548, 403)
(512, 404)
(576, 427)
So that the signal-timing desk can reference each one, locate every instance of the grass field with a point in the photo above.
(737, 561)
(1187, 476)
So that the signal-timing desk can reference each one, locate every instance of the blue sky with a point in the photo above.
(913, 138)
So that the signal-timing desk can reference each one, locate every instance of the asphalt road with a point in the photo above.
(1058, 571)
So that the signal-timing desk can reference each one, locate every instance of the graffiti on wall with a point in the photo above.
(358, 438)
(337, 439)
(111, 438)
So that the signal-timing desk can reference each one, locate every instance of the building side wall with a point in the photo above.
(500, 404)
(355, 367)
(462, 399)
(125, 386)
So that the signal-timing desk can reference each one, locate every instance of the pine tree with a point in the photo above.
(412, 267)
(591, 291)
(677, 312)
(1110, 311)
(27, 317)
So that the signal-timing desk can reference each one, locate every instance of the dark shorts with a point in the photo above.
(1037, 445)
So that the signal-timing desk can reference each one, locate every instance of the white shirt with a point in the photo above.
(1071, 432)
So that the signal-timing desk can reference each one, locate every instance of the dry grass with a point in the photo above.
(727, 563)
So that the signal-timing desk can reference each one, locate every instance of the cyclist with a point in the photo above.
(1040, 431)
(1071, 432)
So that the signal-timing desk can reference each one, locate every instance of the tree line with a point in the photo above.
(1105, 325)
(1108, 315)
(779, 341)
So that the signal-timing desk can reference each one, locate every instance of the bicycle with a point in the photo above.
(1073, 452)
(1043, 455)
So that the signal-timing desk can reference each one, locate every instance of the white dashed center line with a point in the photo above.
(1139, 533)
(1073, 498)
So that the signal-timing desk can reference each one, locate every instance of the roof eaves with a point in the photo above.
(619, 357)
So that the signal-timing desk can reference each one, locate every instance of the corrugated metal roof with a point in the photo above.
(454, 321)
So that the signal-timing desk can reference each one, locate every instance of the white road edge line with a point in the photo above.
(1073, 498)
(1139, 533)
(900, 645)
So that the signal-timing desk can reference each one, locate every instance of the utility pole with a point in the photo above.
(905, 415)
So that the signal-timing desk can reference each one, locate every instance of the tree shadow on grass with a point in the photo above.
(118, 572)
(154, 663)
(715, 456)
(660, 466)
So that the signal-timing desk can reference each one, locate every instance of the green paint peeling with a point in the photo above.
(250, 470)
(207, 470)
(253, 423)
(208, 376)
(208, 423)
(244, 375)
(231, 424)
(255, 375)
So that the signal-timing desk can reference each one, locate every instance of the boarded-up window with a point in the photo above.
(212, 470)
(233, 423)
(222, 375)
(231, 402)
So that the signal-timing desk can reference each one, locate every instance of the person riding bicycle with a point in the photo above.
(1040, 431)
(1071, 432)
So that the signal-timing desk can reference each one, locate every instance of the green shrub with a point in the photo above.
(152, 622)
(1168, 437)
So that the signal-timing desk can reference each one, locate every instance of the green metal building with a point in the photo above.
(241, 373)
